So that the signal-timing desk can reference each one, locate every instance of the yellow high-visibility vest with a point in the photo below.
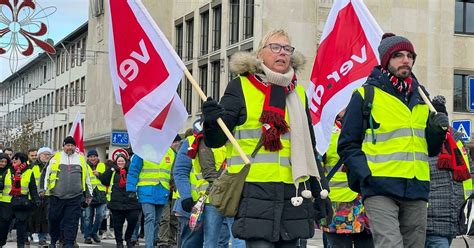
(25, 181)
(153, 174)
(54, 176)
(95, 182)
(400, 150)
(267, 166)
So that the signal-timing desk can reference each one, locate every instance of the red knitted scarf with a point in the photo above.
(16, 184)
(123, 178)
(451, 158)
(193, 149)
(273, 114)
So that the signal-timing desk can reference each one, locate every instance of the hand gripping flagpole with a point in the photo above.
(219, 120)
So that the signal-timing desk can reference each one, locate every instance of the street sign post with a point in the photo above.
(119, 138)
(463, 126)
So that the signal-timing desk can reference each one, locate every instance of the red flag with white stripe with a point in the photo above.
(146, 72)
(77, 133)
(345, 58)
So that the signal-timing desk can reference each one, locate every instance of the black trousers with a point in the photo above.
(118, 218)
(6, 218)
(65, 213)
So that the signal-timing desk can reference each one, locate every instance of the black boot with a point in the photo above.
(130, 244)
(119, 244)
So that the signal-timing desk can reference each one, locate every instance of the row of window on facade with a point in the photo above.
(63, 61)
(53, 137)
(215, 28)
(67, 96)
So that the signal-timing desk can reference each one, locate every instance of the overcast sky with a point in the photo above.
(69, 15)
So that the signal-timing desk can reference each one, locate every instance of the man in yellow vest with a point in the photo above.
(387, 151)
(94, 213)
(447, 190)
(67, 181)
(150, 181)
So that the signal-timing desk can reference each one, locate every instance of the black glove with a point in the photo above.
(438, 122)
(212, 111)
(84, 205)
(323, 210)
(131, 195)
(187, 204)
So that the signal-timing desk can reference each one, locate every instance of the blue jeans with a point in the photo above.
(152, 215)
(433, 241)
(136, 231)
(91, 224)
(226, 234)
(189, 238)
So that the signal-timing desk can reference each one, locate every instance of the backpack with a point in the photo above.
(466, 217)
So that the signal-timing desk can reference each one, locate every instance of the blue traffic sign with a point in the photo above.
(119, 138)
(471, 93)
(463, 126)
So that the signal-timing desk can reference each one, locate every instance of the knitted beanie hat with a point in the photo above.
(439, 103)
(391, 43)
(69, 140)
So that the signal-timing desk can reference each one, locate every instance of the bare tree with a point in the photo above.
(26, 138)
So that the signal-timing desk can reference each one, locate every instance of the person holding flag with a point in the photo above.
(386, 139)
(67, 182)
(268, 112)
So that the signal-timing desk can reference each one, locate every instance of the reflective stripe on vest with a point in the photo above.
(25, 181)
(267, 166)
(153, 174)
(400, 150)
(54, 175)
(95, 182)
(339, 188)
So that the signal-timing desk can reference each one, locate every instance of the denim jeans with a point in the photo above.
(152, 215)
(91, 224)
(226, 235)
(433, 241)
(136, 231)
(189, 238)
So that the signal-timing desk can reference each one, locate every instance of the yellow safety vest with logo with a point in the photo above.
(95, 182)
(25, 181)
(467, 184)
(53, 177)
(340, 191)
(400, 149)
(153, 174)
(267, 166)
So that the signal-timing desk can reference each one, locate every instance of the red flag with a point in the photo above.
(345, 57)
(146, 73)
(77, 133)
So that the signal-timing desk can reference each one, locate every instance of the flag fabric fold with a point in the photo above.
(146, 72)
(77, 132)
(345, 57)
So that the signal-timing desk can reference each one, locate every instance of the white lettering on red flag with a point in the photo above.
(345, 57)
(77, 132)
(145, 73)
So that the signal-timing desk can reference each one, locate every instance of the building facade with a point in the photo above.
(206, 33)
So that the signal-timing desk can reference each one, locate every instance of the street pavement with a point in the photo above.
(315, 242)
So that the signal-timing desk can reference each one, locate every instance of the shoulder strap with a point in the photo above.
(367, 109)
(334, 170)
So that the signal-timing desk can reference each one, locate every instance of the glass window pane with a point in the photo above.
(469, 22)
(458, 93)
(459, 17)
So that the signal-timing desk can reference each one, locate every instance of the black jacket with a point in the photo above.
(350, 146)
(119, 199)
(265, 210)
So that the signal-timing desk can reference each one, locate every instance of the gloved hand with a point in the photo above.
(187, 204)
(438, 122)
(323, 211)
(212, 111)
(131, 195)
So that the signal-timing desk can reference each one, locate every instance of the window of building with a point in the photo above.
(248, 18)
(189, 39)
(234, 21)
(188, 94)
(71, 94)
(66, 96)
(460, 93)
(61, 98)
(67, 58)
(78, 52)
(56, 101)
(179, 40)
(204, 32)
(77, 92)
(202, 83)
(98, 7)
(83, 89)
(215, 79)
(464, 17)
(216, 28)
(63, 60)
(58, 64)
(83, 49)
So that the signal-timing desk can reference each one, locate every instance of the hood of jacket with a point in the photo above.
(243, 62)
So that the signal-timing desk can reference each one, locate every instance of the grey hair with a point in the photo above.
(270, 34)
